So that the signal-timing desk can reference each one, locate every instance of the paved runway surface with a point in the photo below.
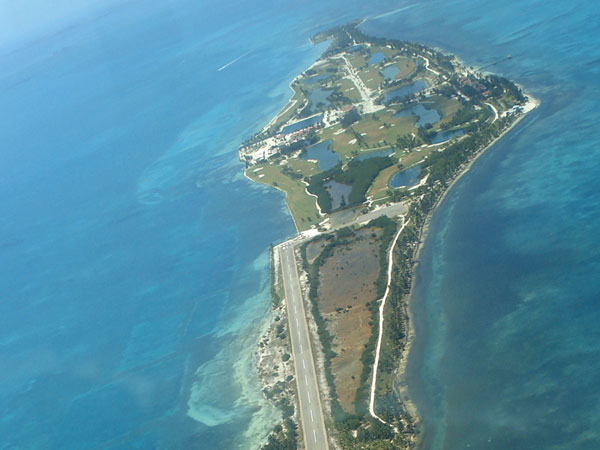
(311, 411)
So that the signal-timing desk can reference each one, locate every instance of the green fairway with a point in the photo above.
(302, 206)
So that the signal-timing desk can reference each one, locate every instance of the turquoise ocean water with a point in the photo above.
(133, 253)
(134, 278)
(506, 302)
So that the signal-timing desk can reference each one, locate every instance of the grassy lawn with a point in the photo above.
(378, 130)
(341, 145)
(505, 101)
(406, 65)
(340, 141)
(371, 77)
(415, 156)
(380, 185)
(327, 133)
(346, 87)
(306, 168)
(357, 60)
(447, 107)
(388, 52)
(377, 133)
(302, 206)
(322, 68)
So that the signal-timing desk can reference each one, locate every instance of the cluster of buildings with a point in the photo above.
(263, 150)
(517, 109)
(475, 84)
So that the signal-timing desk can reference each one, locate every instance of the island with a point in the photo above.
(376, 132)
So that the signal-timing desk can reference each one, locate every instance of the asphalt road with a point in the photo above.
(311, 411)
(393, 210)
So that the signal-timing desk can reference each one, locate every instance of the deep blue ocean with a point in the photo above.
(134, 276)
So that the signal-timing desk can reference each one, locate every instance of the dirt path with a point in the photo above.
(380, 336)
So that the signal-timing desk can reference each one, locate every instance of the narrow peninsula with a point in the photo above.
(374, 135)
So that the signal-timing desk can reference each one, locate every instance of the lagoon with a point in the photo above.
(390, 72)
(405, 178)
(443, 136)
(400, 92)
(376, 58)
(302, 124)
(425, 116)
(315, 79)
(318, 98)
(326, 158)
(338, 192)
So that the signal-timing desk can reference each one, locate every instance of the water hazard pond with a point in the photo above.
(405, 178)
(376, 58)
(318, 98)
(315, 79)
(326, 158)
(302, 124)
(390, 72)
(426, 116)
(413, 88)
(338, 192)
(444, 136)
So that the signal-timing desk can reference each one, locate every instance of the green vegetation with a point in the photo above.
(275, 298)
(316, 187)
(368, 356)
(380, 188)
(442, 166)
(324, 336)
(358, 174)
(360, 431)
(459, 99)
(310, 139)
(350, 117)
(302, 206)
(461, 96)
(283, 439)
(464, 115)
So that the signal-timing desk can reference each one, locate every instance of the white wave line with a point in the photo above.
(232, 61)
(389, 13)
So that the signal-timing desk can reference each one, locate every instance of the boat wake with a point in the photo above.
(395, 11)
(232, 62)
